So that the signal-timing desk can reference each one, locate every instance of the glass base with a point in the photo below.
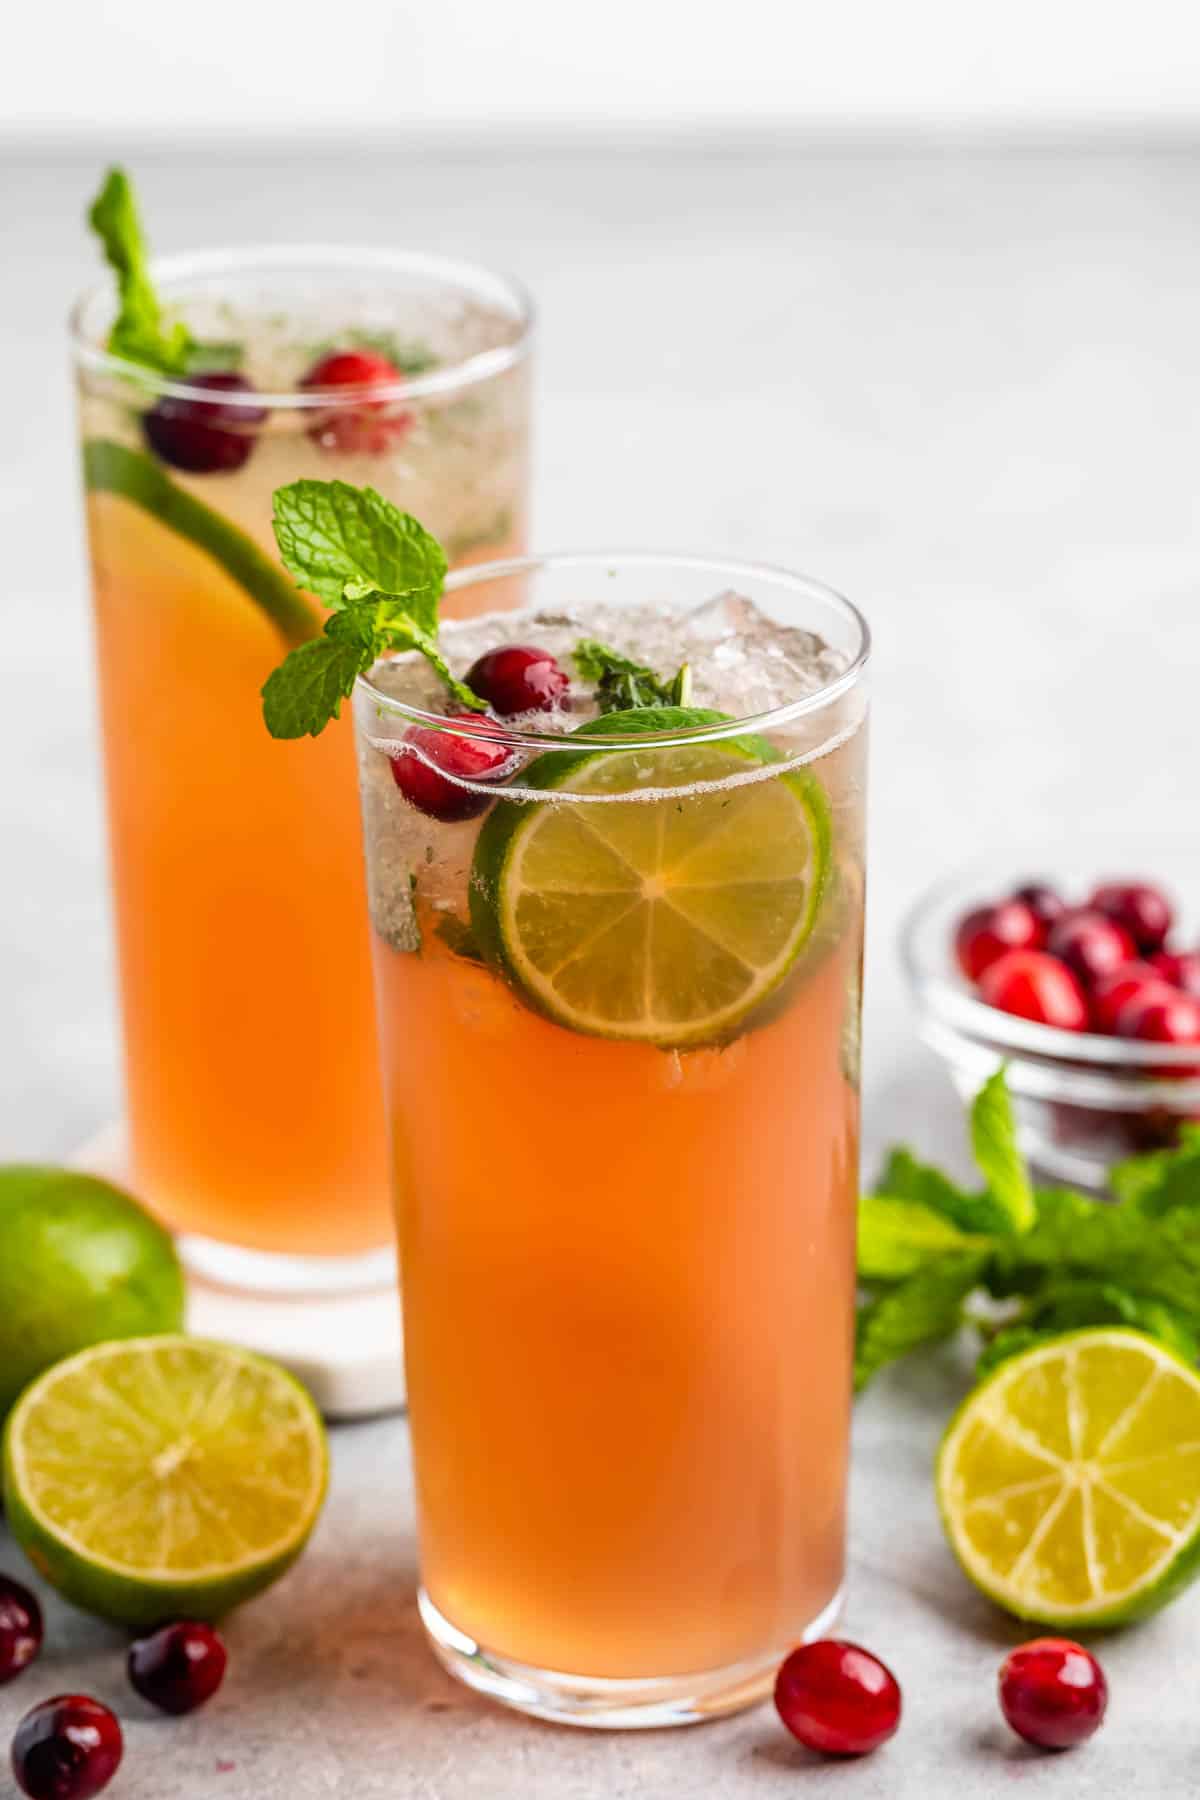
(268, 1273)
(607, 1705)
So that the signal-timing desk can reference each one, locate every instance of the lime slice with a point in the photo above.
(1069, 1482)
(163, 1477)
(666, 919)
(112, 468)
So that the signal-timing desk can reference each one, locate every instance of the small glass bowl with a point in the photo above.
(1083, 1102)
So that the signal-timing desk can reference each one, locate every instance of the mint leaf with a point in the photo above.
(215, 358)
(904, 1178)
(1009, 1342)
(139, 333)
(1162, 1180)
(622, 684)
(926, 1307)
(307, 689)
(347, 543)
(994, 1142)
(897, 1237)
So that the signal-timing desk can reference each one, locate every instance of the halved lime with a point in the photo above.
(666, 902)
(1069, 1482)
(163, 1477)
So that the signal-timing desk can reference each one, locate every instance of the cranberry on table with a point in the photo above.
(1053, 1693)
(432, 789)
(20, 1628)
(1090, 944)
(1043, 901)
(360, 424)
(1160, 1015)
(68, 1748)
(518, 678)
(1141, 910)
(1180, 969)
(1032, 985)
(984, 935)
(837, 1698)
(1112, 992)
(206, 437)
(178, 1667)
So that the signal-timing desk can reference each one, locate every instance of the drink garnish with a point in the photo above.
(621, 683)
(382, 574)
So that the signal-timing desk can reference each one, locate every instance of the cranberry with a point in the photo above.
(432, 789)
(518, 679)
(1141, 910)
(359, 424)
(67, 1748)
(987, 933)
(1179, 968)
(1053, 1693)
(837, 1698)
(1043, 901)
(1090, 944)
(1032, 985)
(20, 1628)
(1160, 1015)
(1112, 991)
(205, 437)
(178, 1667)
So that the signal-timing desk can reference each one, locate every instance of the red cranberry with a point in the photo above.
(178, 1667)
(360, 425)
(67, 1748)
(205, 437)
(1091, 945)
(431, 789)
(20, 1628)
(1032, 985)
(518, 679)
(1160, 1015)
(1043, 902)
(1141, 910)
(837, 1698)
(1053, 1693)
(987, 933)
(1179, 968)
(1112, 991)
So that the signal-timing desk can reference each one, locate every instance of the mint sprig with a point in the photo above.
(139, 333)
(1018, 1264)
(380, 571)
(622, 684)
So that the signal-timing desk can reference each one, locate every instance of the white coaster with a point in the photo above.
(347, 1349)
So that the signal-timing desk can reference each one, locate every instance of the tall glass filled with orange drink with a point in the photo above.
(617, 928)
(255, 1123)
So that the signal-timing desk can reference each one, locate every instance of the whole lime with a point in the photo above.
(80, 1262)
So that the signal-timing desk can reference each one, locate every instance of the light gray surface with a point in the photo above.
(964, 389)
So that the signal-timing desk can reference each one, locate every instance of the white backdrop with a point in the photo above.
(71, 68)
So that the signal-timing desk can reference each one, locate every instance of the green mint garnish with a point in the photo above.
(380, 571)
(1045, 1260)
(622, 684)
(139, 333)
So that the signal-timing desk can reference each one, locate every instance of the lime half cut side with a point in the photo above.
(667, 916)
(1069, 1482)
(163, 1477)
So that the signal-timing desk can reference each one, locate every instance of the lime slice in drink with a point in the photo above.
(163, 1477)
(666, 918)
(1069, 1482)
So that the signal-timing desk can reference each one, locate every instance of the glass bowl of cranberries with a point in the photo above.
(1085, 982)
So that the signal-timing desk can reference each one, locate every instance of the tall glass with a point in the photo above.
(619, 1014)
(255, 1122)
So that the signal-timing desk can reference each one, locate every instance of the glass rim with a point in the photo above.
(523, 738)
(484, 364)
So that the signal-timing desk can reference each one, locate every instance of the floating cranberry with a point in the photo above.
(178, 1667)
(518, 678)
(989, 932)
(1090, 944)
(1032, 985)
(1043, 901)
(68, 1748)
(1179, 968)
(433, 789)
(1160, 1015)
(359, 425)
(1141, 910)
(837, 1698)
(206, 437)
(20, 1628)
(1053, 1693)
(1111, 992)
